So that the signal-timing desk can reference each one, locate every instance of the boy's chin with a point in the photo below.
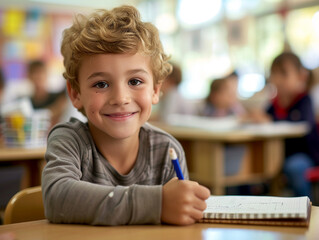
(122, 135)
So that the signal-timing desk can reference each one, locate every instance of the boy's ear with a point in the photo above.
(75, 96)
(156, 93)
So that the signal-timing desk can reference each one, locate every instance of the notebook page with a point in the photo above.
(256, 207)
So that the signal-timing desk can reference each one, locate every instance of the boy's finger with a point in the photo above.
(200, 204)
(196, 214)
(202, 192)
(186, 220)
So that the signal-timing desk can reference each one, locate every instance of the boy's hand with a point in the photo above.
(183, 202)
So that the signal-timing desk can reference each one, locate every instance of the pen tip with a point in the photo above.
(172, 153)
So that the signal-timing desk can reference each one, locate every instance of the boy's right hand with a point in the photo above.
(183, 202)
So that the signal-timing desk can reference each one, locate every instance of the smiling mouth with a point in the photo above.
(120, 115)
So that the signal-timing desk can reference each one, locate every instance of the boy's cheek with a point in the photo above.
(77, 104)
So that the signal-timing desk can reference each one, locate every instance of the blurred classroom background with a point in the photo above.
(206, 39)
(209, 39)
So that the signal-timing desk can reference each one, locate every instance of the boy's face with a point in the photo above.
(117, 92)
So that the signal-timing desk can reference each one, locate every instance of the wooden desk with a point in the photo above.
(204, 151)
(44, 230)
(31, 159)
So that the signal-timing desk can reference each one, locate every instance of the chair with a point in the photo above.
(26, 205)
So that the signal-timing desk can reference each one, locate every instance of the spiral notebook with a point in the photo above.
(258, 210)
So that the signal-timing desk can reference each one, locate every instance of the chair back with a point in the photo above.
(26, 205)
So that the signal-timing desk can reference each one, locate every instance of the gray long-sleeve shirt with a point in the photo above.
(80, 186)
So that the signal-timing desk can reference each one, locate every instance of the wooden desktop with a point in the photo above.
(44, 230)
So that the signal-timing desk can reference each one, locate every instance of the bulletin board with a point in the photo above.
(29, 34)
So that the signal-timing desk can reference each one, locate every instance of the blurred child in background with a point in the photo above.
(41, 97)
(293, 104)
(222, 100)
(172, 102)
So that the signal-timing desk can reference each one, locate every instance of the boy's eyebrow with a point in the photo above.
(97, 74)
(139, 70)
(105, 74)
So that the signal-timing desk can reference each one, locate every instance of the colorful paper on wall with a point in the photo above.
(33, 49)
(13, 50)
(33, 24)
(14, 71)
(13, 21)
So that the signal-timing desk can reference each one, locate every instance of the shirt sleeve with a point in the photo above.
(68, 199)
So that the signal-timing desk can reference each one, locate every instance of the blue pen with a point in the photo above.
(178, 170)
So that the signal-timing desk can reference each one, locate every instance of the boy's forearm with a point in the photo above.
(146, 204)
(70, 201)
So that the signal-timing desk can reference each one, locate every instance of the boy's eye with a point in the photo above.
(135, 82)
(101, 85)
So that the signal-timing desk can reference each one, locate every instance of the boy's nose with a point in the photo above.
(119, 96)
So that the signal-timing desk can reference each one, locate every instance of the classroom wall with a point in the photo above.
(244, 36)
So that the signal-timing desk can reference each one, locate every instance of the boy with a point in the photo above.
(110, 171)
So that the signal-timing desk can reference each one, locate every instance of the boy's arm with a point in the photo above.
(68, 199)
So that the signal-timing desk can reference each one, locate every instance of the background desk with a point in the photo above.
(44, 230)
(204, 151)
(31, 159)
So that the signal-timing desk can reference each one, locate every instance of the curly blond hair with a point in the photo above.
(116, 31)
